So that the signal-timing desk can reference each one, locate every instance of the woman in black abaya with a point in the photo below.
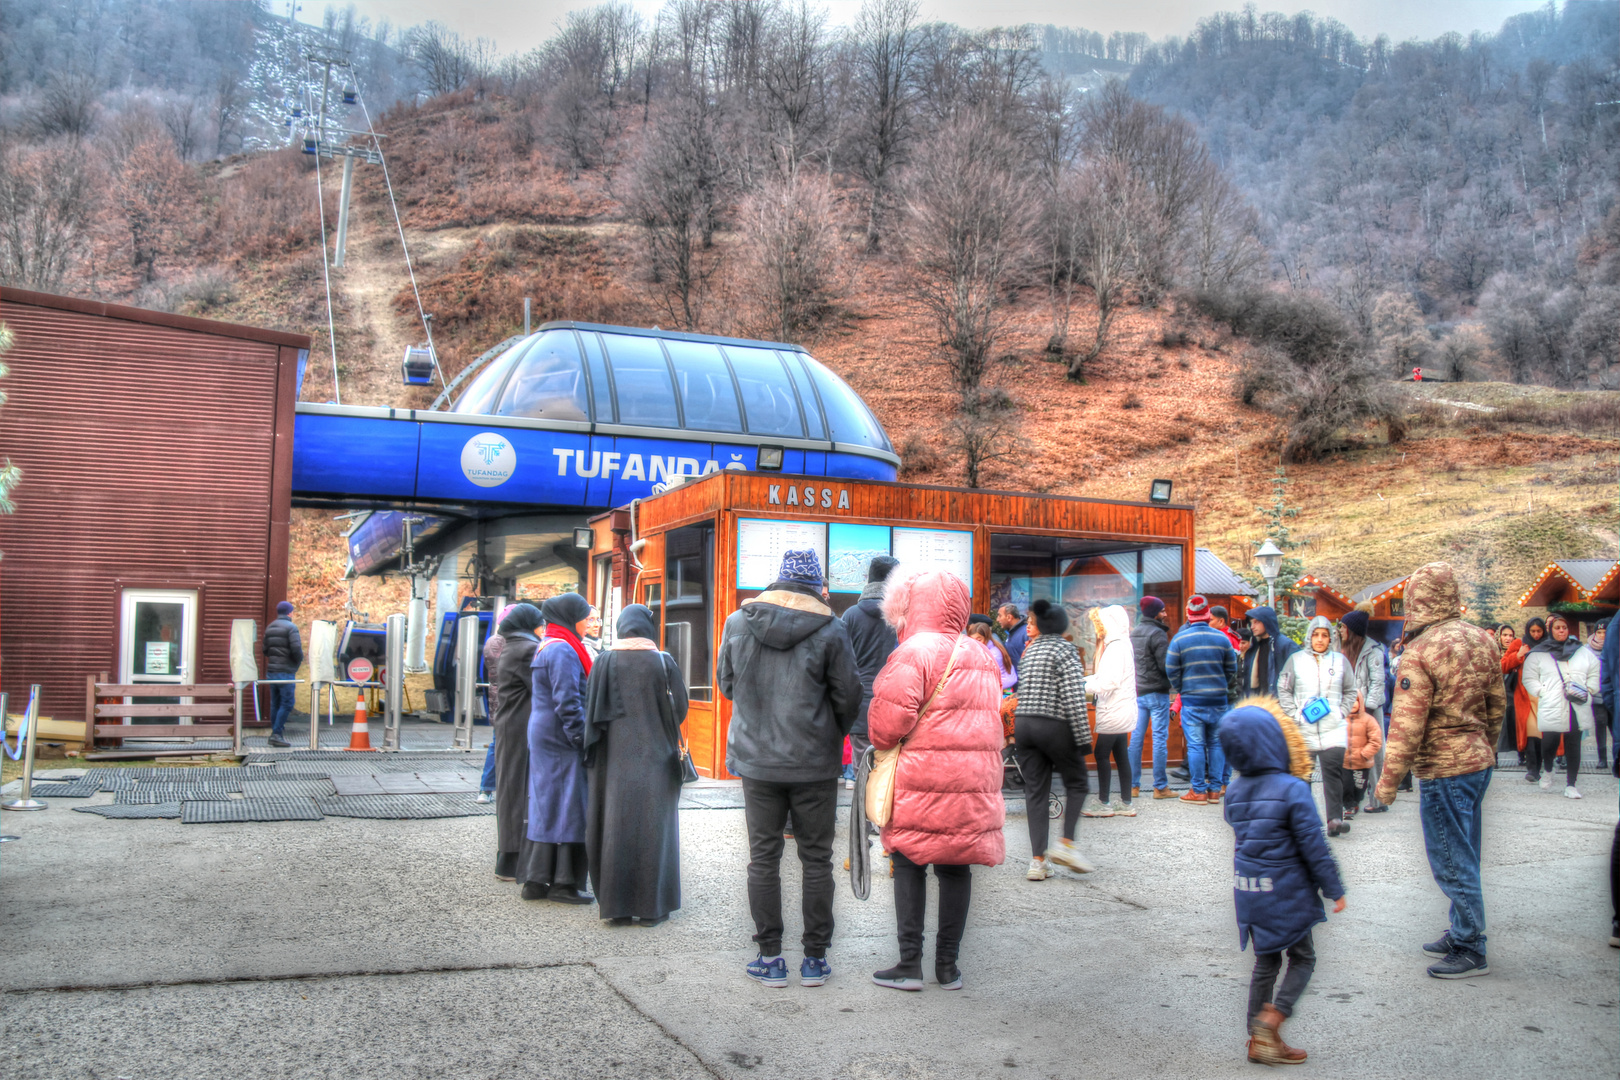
(511, 723)
(634, 707)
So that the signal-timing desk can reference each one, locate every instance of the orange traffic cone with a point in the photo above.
(360, 737)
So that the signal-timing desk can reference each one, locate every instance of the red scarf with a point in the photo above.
(562, 633)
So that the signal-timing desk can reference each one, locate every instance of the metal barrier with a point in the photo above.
(331, 706)
(30, 736)
(259, 719)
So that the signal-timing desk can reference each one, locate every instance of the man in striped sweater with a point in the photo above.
(1202, 666)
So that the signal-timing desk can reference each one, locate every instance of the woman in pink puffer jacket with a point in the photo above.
(948, 809)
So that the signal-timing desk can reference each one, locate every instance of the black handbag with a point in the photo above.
(666, 707)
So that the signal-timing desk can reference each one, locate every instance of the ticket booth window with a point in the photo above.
(689, 605)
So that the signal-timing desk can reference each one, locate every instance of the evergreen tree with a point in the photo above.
(1277, 515)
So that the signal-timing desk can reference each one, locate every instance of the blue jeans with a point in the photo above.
(282, 698)
(486, 783)
(1155, 709)
(1451, 808)
(1206, 761)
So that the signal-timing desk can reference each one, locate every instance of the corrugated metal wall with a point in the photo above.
(148, 455)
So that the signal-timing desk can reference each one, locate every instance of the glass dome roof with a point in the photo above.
(690, 382)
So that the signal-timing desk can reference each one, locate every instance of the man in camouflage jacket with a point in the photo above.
(1449, 704)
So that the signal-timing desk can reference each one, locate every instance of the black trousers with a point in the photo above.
(1600, 728)
(1045, 743)
(1119, 748)
(910, 906)
(1331, 763)
(814, 807)
(1547, 747)
(1301, 962)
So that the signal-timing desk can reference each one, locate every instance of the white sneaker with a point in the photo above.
(1546, 781)
(1123, 809)
(849, 785)
(1571, 793)
(1097, 810)
(1038, 870)
(485, 797)
(1066, 855)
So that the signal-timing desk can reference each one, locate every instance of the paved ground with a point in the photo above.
(151, 949)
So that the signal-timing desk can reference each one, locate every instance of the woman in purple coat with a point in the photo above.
(552, 864)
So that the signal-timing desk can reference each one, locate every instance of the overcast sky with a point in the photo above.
(519, 25)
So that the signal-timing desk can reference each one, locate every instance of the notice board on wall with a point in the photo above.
(851, 549)
(936, 549)
(761, 543)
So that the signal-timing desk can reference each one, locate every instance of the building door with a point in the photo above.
(158, 632)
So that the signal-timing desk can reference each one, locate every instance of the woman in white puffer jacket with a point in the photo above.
(1562, 679)
(1320, 671)
(1114, 685)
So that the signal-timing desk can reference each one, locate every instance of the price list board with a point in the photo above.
(936, 549)
(761, 543)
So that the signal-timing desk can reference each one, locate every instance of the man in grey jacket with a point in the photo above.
(787, 667)
(1150, 640)
(283, 655)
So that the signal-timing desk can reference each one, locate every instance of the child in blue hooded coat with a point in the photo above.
(1282, 864)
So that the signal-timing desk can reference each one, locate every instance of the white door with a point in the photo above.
(158, 629)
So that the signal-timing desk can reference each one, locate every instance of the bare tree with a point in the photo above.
(987, 427)
(150, 187)
(675, 199)
(969, 237)
(67, 106)
(445, 60)
(182, 118)
(790, 261)
(45, 214)
(793, 77)
(883, 51)
(229, 106)
(1104, 204)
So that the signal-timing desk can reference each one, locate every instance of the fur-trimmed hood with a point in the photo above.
(1258, 737)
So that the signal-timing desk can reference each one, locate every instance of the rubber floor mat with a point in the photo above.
(283, 809)
(402, 807)
(270, 789)
(449, 782)
(356, 784)
(66, 790)
(148, 793)
(138, 810)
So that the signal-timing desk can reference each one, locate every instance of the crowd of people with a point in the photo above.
(941, 702)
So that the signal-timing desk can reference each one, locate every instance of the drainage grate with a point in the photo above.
(279, 788)
(283, 809)
(401, 807)
(72, 790)
(161, 793)
(126, 810)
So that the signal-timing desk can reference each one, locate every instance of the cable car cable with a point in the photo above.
(331, 329)
(400, 225)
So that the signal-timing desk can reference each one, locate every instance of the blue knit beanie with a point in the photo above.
(801, 567)
(284, 608)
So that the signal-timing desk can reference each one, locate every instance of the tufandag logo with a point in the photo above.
(488, 459)
(661, 471)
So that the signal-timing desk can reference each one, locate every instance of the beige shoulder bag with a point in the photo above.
(885, 763)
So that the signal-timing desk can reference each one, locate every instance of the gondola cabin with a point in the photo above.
(695, 553)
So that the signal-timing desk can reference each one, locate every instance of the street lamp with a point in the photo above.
(1270, 558)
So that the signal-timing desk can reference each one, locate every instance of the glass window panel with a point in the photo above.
(689, 606)
(851, 420)
(646, 396)
(708, 396)
(767, 392)
(549, 383)
(601, 388)
(812, 411)
(479, 397)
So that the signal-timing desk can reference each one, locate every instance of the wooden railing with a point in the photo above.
(217, 702)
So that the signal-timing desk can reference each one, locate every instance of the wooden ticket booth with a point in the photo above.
(693, 554)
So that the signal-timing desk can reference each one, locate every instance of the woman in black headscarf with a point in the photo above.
(635, 704)
(552, 863)
(511, 724)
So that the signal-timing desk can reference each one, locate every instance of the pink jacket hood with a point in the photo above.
(948, 807)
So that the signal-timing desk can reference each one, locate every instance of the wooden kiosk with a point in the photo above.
(695, 553)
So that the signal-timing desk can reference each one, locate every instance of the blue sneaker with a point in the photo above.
(768, 972)
(814, 971)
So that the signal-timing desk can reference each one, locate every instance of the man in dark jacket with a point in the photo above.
(873, 640)
(283, 654)
(788, 668)
(1267, 654)
(1149, 641)
(1016, 628)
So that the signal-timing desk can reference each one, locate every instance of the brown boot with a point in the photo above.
(1266, 1045)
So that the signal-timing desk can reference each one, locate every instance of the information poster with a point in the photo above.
(850, 550)
(936, 549)
(157, 658)
(761, 543)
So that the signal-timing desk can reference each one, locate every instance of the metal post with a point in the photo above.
(467, 653)
(394, 680)
(343, 209)
(5, 701)
(315, 712)
(236, 712)
(31, 718)
(526, 304)
(1271, 596)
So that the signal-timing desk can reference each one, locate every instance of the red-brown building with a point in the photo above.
(156, 457)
